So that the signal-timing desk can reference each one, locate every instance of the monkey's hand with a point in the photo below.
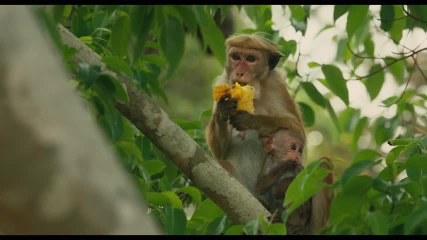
(292, 166)
(242, 120)
(226, 107)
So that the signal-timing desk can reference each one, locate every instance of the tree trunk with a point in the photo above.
(57, 174)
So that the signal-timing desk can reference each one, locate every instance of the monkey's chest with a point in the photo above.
(246, 155)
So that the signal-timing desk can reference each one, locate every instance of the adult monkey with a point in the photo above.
(234, 136)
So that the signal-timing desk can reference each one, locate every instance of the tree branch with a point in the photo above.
(174, 142)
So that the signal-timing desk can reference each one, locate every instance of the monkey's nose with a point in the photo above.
(239, 74)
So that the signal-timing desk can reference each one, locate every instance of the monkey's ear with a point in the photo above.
(273, 60)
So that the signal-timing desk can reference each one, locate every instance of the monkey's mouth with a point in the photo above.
(241, 83)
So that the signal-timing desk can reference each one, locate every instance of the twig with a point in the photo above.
(412, 16)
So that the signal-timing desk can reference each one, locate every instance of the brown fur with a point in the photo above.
(274, 110)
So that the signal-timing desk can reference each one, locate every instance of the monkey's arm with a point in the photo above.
(218, 132)
(218, 136)
(264, 124)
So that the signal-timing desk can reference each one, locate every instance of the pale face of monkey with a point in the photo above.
(287, 146)
(245, 65)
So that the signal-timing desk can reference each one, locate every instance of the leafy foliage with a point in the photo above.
(377, 191)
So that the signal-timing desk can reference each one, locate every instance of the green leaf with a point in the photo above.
(252, 227)
(88, 73)
(359, 130)
(313, 65)
(141, 21)
(307, 114)
(154, 166)
(119, 92)
(387, 17)
(333, 116)
(297, 12)
(356, 168)
(174, 200)
(357, 185)
(375, 82)
(216, 227)
(356, 15)
(369, 46)
(117, 65)
(387, 174)
(378, 222)
(58, 13)
(120, 33)
(397, 69)
(341, 209)
(384, 128)
(307, 183)
(193, 192)
(349, 118)
(212, 35)
(188, 16)
(258, 14)
(366, 154)
(398, 25)
(415, 219)
(86, 39)
(173, 50)
(275, 229)
(175, 221)
(299, 18)
(155, 59)
(157, 199)
(288, 47)
(393, 155)
(313, 93)
(129, 148)
(336, 82)
(417, 161)
(235, 230)
(340, 10)
(391, 100)
(343, 53)
(208, 210)
(189, 125)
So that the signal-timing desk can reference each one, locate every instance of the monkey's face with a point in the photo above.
(288, 146)
(246, 66)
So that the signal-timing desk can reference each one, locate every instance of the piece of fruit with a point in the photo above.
(243, 94)
(220, 90)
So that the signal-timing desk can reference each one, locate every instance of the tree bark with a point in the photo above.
(153, 122)
(57, 174)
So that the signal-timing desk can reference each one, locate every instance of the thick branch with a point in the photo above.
(180, 148)
(57, 174)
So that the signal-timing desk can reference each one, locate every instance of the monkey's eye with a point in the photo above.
(300, 150)
(293, 146)
(251, 58)
(235, 56)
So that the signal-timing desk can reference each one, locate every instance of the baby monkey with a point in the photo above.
(283, 162)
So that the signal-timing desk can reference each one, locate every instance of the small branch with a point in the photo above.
(419, 68)
(412, 16)
(404, 90)
(383, 67)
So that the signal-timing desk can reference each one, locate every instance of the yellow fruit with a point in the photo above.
(243, 94)
(236, 91)
(220, 90)
(246, 101)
